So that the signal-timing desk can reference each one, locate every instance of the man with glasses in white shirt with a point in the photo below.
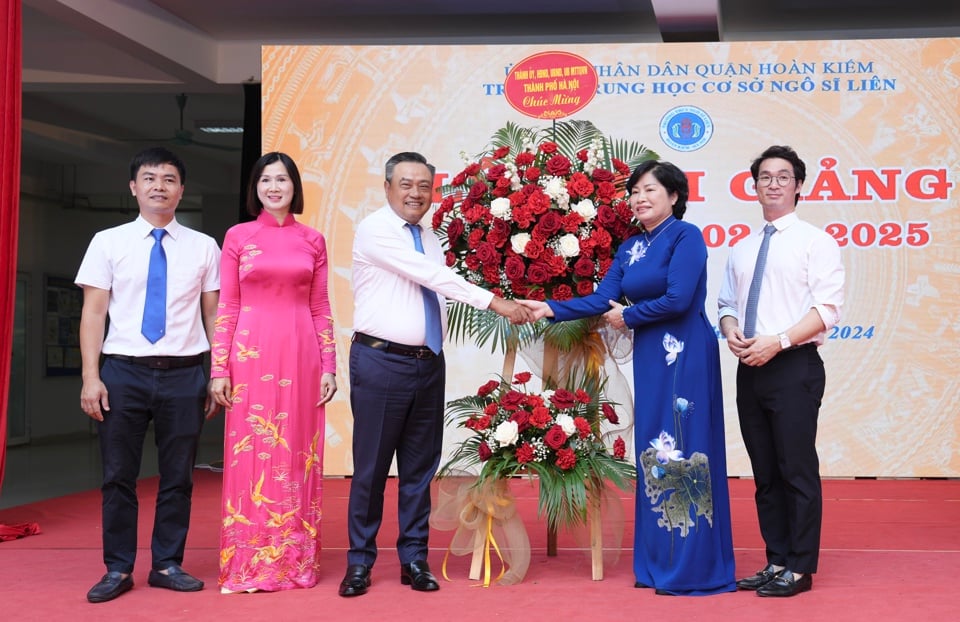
(782, 290)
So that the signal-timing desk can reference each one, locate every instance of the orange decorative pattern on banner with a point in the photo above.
(551, 85)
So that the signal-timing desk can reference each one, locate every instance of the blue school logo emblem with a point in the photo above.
(686, 128)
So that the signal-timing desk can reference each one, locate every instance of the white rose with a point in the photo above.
(586, 209)
(518, 242)
(567, 424)
(500, 207)
(569, 245)
(507, 433)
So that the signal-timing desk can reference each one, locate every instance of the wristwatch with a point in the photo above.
(784, 341)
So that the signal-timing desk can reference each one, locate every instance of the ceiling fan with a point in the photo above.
(184, 137)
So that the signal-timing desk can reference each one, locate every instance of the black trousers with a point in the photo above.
(173, 399)
(397, 403)
(778, 405)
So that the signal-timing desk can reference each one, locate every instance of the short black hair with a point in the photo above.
(406, 156)
(254, 206)
(670, 177)
(157, 155)
(785, 153)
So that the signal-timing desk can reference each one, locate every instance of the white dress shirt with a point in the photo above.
(388, 272)
(118, 260)
(804, 270)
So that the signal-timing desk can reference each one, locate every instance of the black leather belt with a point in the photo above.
(160, 362)
(417, 352)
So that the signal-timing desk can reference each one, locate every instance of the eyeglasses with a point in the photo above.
(766, 180)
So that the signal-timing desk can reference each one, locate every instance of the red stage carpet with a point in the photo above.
(891, 551)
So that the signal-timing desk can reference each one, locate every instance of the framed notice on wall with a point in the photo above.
(63, 302)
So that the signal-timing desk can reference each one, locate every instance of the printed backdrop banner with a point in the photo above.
(875, 121)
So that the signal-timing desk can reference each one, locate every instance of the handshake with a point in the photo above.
(525, 311)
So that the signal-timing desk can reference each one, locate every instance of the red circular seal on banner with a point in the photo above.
(551, 85)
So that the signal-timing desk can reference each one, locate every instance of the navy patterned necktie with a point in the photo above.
(753, 296)
(155, 305)
(431, 307)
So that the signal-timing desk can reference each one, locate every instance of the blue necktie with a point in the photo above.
(753, 296)
(155, 305)
(431, 308)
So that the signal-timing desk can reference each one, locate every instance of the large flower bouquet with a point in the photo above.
(540, 215)
(554, 434)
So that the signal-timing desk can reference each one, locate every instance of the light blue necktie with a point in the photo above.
(431, 308)
(155, 305)
(753, 296)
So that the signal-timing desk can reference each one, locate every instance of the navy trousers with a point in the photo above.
(173, 399)
(778, 404)
(397, 403)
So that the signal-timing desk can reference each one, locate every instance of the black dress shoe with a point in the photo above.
(787, 584)
(418, 576)
(760, 579)
(641, 585)
(174, 578)
(356, 581)
(112, 584)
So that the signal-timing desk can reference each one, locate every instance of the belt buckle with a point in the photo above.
(423, 353)
(158, 363)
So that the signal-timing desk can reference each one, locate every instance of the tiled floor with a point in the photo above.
(46, 469)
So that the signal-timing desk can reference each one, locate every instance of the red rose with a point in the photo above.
(610, 413)
(619, 449)
(525, 453)
(459, 179)
(550, 223)
(558, 165)
(491, 409)
(524, 158)
(604, 266)
(583, 427)
(582, 396)
(501, 152)
(450, 258)
(454, 230)
(522, 378)
(555, 438)
(605, 215)
(538, 272)
(496, 172)
(502, 188)
(484, 452)
(522, 419)
(566, 459)
(487, 253)
(532, 174)
(563, 399)
(584, 288)
(514, 268)
(488, 388)
(472, 169)
(582, 155)
(477, 190)
(562, 292)
(583, 267)
(512, 400)
(548, 147)
(499, 233)
(602, 174)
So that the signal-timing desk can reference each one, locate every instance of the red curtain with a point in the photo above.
(10, 88)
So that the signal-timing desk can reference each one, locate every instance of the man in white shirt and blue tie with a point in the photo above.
(158, 282)
(397, 369)
(782, 290)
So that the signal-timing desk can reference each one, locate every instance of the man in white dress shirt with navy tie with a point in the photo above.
(397, 369)
(782, 291)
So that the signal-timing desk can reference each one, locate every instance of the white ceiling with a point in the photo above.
(100, 74)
